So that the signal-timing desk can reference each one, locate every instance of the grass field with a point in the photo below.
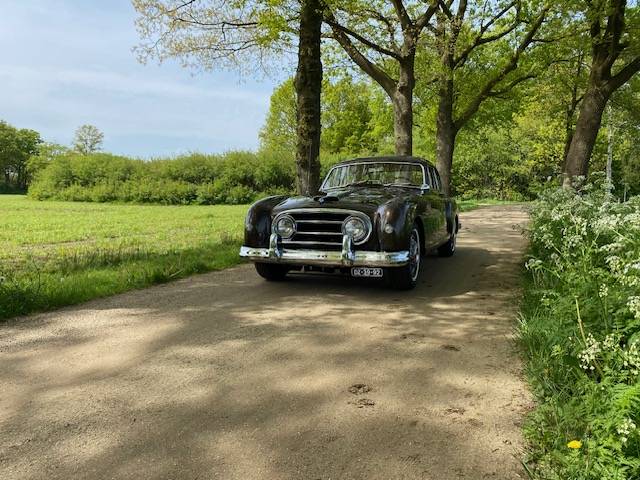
(60, 253)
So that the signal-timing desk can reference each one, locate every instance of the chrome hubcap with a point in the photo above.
(414, 255)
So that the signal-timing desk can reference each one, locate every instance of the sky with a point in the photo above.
(64, 63)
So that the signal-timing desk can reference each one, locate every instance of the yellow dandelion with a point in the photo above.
(575, 444)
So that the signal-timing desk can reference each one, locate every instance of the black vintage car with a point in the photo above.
(374, 217)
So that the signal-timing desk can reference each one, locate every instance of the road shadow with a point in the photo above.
(227, 376)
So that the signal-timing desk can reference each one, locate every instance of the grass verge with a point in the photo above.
(580, 333)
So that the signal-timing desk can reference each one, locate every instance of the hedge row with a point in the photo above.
(232, 178)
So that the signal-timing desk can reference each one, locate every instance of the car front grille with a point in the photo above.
(317, 229)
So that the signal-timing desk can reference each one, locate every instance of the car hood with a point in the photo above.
(363, 199)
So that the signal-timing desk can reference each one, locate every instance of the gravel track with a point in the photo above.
(225, 376)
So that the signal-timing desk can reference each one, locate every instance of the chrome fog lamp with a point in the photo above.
(355, 228)
(285, 226)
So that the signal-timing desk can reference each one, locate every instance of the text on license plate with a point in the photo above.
(366, 272)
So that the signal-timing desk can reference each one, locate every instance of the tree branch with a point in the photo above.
(374, 71)
(511, 85)
(403, 16)
(624, 75)
(480, 39)
(489, 86)
(424, 19)
(336, 26)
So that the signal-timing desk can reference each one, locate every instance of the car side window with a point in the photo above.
(428, 179)
(436, 177)
(433, 182)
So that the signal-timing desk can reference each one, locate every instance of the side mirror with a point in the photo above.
(425, 188)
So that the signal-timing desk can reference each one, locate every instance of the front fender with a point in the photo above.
(400, 216)
(257, 223)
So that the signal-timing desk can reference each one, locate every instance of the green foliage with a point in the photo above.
(232, 178)
(54, 253)
(16, 147)
(356, 120)
(580, 330)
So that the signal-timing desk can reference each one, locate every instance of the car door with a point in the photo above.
(432, 216)
(439, 206)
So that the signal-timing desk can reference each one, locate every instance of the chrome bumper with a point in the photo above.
(345, 258)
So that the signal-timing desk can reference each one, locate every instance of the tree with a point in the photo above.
(614, 60)
(349, 121)
(308, 84)
(382, 42)
(209, 33)
(87, 139)
(16, 147)
(278, 134)
(459, 34)
(47, 153)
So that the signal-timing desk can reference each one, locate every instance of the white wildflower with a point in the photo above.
(604, 291)
(590, 353)
(631, 358)
(634, 306)
(625, 429)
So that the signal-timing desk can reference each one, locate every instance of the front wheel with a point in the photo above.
(272, 271)
(406, 277)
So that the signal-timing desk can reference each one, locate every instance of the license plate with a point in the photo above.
(366, 272)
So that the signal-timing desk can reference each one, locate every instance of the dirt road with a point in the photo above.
(225, 376)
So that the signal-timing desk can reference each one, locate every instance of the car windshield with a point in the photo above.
(374, 173)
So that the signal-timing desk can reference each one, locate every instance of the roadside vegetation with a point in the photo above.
(61, 253)
(580, 330)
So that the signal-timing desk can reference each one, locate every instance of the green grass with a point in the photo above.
(61, 253)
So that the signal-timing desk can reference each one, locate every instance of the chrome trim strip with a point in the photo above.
(328, 259)
(309, 242)
(347, 257)
(320, 210)
(332, 222)
(335, 234)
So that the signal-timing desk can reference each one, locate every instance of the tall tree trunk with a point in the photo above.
(610, 139)
(586, 132)
(308, 84)
(402, 101)
(607, 45)
(446, 131)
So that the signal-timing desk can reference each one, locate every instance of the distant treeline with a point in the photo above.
(231, 178)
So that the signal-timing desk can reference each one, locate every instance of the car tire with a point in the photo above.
(271, 271)
(449, 248)
(406, 277)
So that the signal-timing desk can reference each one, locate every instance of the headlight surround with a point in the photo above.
(284, 225)
(356, 228)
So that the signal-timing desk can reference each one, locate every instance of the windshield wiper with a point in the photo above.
(405, 184)
(363, 183)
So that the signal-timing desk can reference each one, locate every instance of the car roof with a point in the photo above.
(388, 158)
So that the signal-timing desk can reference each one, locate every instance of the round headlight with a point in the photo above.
(355, 228)
(285, 226)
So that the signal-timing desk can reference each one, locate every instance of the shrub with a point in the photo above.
(581, 335)
(235, 177)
